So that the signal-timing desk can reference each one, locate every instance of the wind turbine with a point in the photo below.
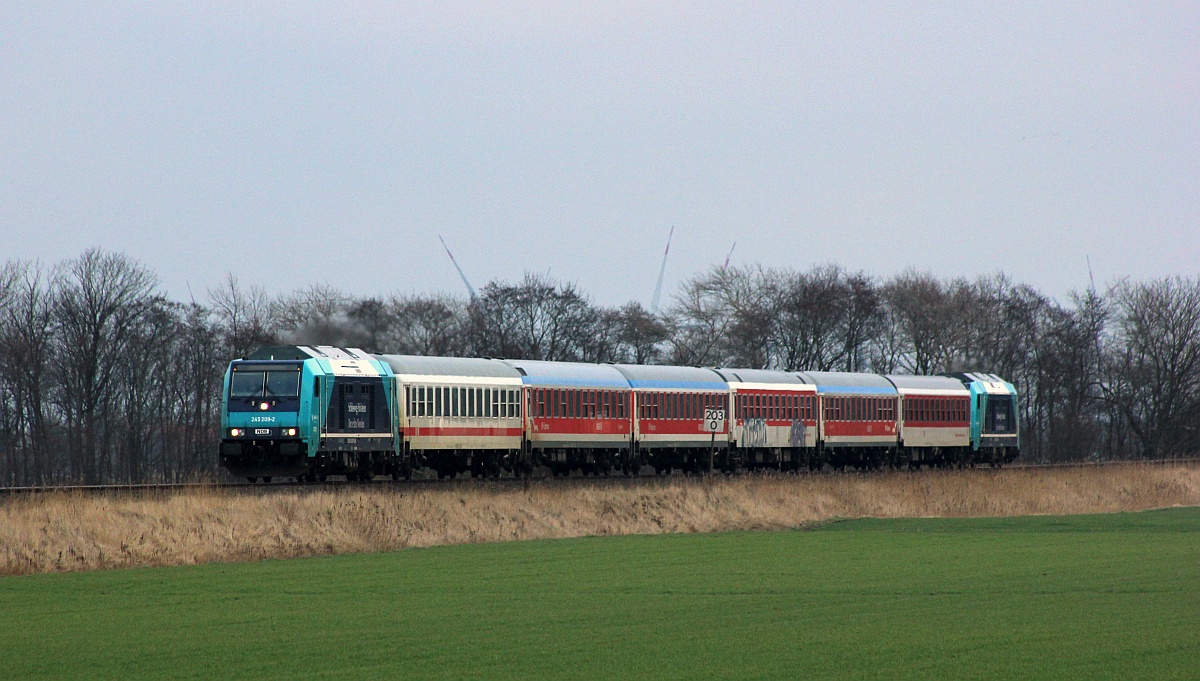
(661, 271)
(470, 289)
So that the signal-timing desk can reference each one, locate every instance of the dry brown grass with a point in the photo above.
(70, 532)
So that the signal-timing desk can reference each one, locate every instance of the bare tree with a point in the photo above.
(100, 300)
(536, 319)
(640, 335)
(244, 315)
(316, 315)
(823, 319)
(930, 316)
(1156, 363)
(427, 325)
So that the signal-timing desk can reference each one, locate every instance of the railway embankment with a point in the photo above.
(71, 531)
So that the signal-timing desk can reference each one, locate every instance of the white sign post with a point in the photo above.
(713, 418)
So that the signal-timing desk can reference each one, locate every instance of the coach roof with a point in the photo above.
(568, 374)
(416, 365)
(760, 376)
(845, 383)
(928, 383)
(671, 378)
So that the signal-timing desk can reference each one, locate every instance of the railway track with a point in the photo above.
(541, 479)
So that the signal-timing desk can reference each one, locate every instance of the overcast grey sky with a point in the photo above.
(291, 146)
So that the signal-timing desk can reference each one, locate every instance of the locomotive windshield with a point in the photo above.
(260, 381)
(1000, 417)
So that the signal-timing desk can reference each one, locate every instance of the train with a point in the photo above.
(310, 412)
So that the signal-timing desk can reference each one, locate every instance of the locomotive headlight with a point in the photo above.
(263, 406)
(291, 431)
(235, 432)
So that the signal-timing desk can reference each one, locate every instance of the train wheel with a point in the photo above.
(248, 479)
(266, 478)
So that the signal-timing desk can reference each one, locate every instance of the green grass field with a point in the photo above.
(1085, 597)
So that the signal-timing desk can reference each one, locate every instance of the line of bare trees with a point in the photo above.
(105, 379)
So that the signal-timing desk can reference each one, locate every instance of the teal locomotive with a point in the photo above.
(307, 412)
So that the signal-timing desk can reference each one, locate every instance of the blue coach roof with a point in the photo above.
(568, 374)
(448, 366)
(671, 378)
(845, 383)
(760, 376)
